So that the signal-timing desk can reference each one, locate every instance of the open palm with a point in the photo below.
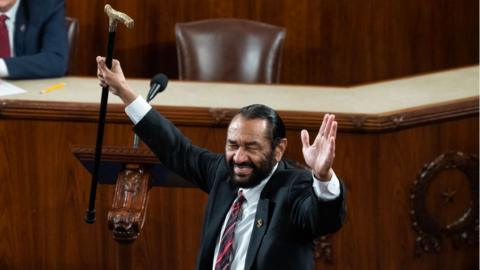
(320, 154)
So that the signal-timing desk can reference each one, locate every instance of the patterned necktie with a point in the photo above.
(4, 41)
(225, 253)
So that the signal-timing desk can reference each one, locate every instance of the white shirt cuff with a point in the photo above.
(328, 190)
(3, 69)
(137, 109)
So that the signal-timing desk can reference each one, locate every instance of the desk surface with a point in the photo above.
(377, 98)
(453, 90)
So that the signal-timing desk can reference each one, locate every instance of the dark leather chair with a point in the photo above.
(71, 25)
(229, 50)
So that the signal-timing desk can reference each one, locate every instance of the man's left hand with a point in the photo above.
(320, 154)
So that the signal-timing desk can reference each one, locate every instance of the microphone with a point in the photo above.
(157, 84)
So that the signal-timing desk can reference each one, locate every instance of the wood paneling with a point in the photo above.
(44, 193)
(327, 42)
(210, 117)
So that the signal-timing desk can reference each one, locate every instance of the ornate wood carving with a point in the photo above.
(323, 249)
(431, 231)
(220, 115)
(397, 120)
(359, 121)
(130, 201)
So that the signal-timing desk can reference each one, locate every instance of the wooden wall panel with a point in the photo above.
(402, 156)
(328, 42)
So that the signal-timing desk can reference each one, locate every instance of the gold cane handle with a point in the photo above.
(115, 16)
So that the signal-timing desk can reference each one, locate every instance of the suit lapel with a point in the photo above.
(265, 207)
(20, 29)
(260, 225)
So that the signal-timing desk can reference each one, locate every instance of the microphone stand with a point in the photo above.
(135, 141)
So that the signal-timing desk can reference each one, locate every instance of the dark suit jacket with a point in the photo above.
(289, 215)
(40, 40)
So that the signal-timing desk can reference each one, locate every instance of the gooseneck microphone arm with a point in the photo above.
(157, 84)
(114, 17)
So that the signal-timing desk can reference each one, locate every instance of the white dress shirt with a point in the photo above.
(328, 190)
(10, 22)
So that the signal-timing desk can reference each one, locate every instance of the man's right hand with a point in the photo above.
(115, 79)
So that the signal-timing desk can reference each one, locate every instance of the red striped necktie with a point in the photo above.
(4, 41)
(225, 253)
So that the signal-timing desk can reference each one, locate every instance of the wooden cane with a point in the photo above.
(113, 18)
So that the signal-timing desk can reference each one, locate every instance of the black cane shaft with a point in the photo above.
(90, 215)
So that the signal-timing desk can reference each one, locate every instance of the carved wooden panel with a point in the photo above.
(127, 216)
(434, 224)
(323, 249)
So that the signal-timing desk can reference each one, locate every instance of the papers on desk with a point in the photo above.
(7, 89)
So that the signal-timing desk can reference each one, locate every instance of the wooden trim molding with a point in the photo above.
(196, 116)
(116, 154)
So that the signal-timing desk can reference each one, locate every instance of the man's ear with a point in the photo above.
(280, 149)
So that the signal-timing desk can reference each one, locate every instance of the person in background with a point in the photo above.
(33, 39)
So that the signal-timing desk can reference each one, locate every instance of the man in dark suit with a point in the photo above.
(33, 39)
(261, 213)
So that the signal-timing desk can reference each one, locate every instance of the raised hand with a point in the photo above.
(320, 154)
(115, 79)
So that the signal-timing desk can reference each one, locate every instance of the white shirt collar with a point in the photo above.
(253, 194)
(12, 12)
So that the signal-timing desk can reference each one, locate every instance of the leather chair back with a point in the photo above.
(229, 50)
(71, 25)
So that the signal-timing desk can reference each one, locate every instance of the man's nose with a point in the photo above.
(240, 156)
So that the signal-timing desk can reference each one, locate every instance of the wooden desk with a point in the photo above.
(387, 132)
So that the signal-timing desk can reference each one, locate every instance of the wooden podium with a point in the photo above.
(134, 172)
